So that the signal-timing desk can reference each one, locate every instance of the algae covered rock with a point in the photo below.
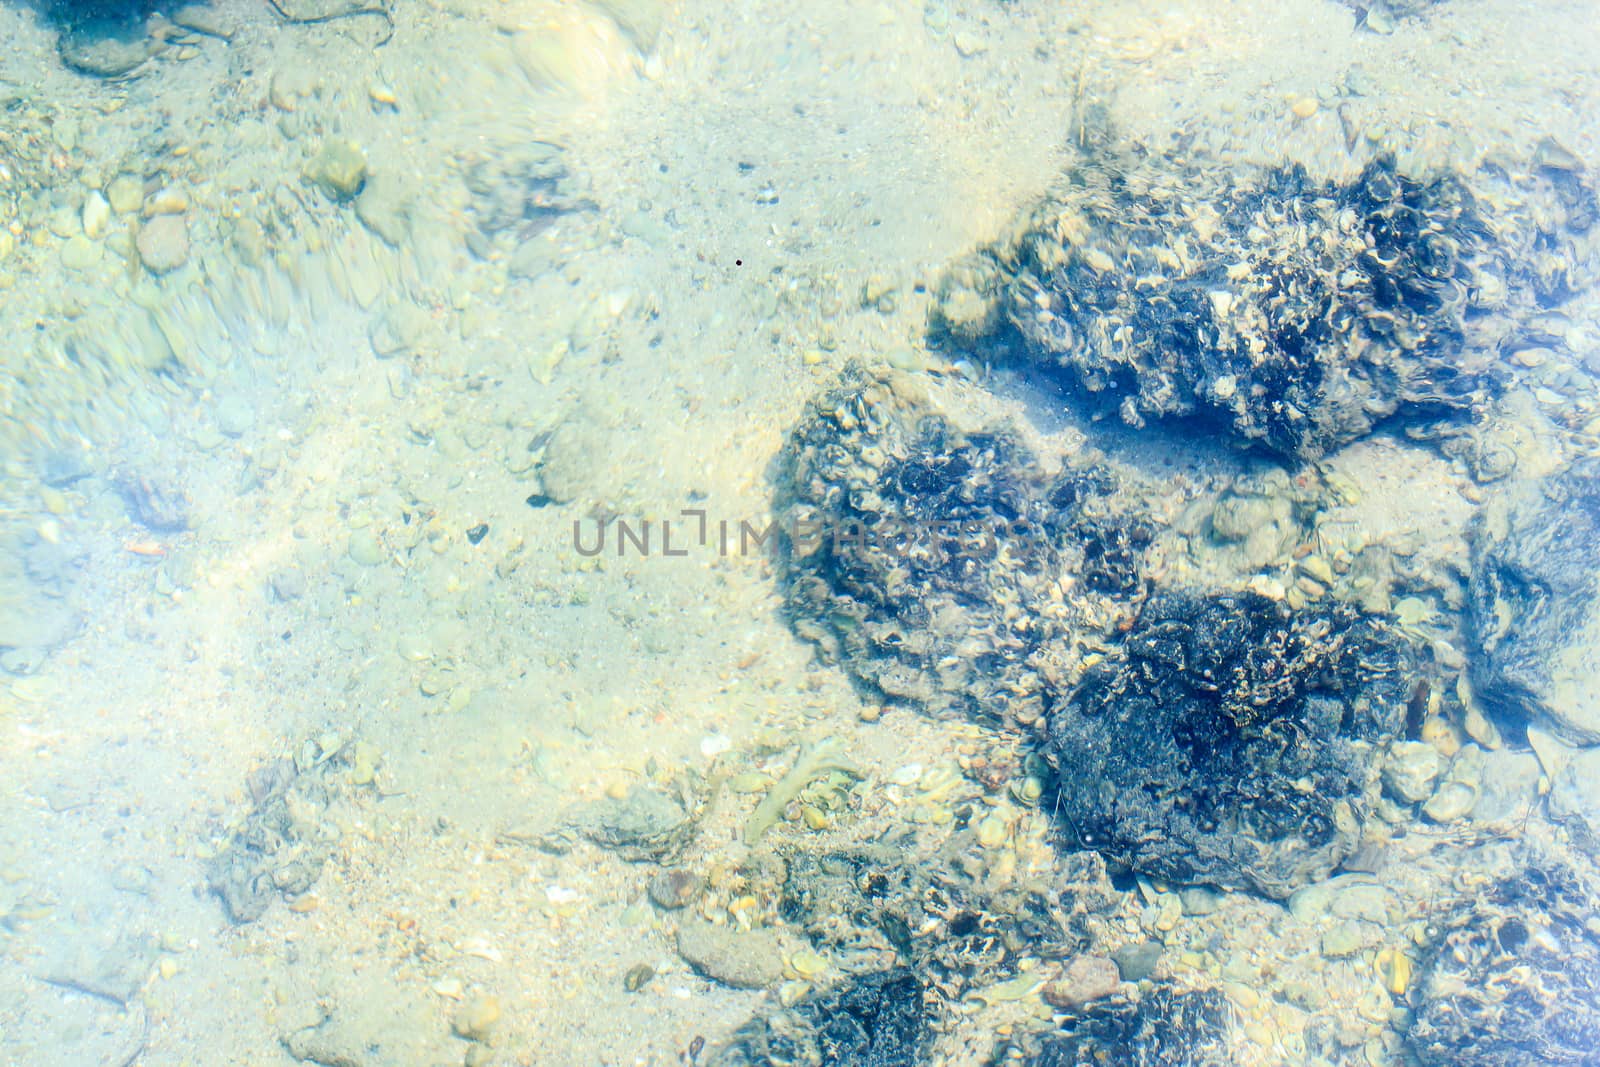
(285, 841)
(878, 1020)
(1535, 603)
(926, 558)
(877, 906)
(1514, 976)
(1230, 741)
(1299, 314)
(900, 933)
(1195, 1028)
(644, 824)
(339, 170)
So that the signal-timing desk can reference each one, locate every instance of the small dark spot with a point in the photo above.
(746, 168)
(963, 924)
(738, 263)
(1513, 935)
(477, 533)
(540, 500)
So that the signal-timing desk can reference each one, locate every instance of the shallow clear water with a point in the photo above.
(962, 532)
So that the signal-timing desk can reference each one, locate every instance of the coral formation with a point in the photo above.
(1231, 741)
(1299, 314)
(1514, 976)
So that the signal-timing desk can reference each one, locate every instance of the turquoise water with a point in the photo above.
(629, 532)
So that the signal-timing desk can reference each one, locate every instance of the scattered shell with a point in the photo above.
(1394, 969)
(96, 215)
(992, 832)
(166, 201)
(907, 775)
(807, 964)
(481, 948)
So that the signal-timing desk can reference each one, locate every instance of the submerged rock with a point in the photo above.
(339, 170)
(1299, 314)
(877, 907)
(1514, 976)
(1225, 739)
(521, 189)
(284, 843)
(1163, 1026)
(744, 959)
(926, 559)
(110, 45)
(1231, 742)
(879, 1020)
(1575, 800)
(646, 824)
(1535, 604)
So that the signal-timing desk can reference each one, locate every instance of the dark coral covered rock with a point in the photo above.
(1297, 313)
(926, 559)
(910, 937)
(1230, 741)
(875, 906)
(1514, 976)
(878, 1020)
(1163, 1027)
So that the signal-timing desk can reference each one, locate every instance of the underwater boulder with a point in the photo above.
(1298, 314)
(926, 558)
(877, 1020)
(1231, 741)
(1513, 977)
(1195, 1028)
(900, 534)
(880, 905)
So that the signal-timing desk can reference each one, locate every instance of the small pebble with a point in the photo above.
(163, 243)
(96, 215)
(1304, 107)
(168, 201)
(125, 193)
(1198, 900)
(807, 964)
(80, 253)
(674, 889)
(907, 775)
(1083, 979)
(1137, 961)
(365, 549)
(476, 1018)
